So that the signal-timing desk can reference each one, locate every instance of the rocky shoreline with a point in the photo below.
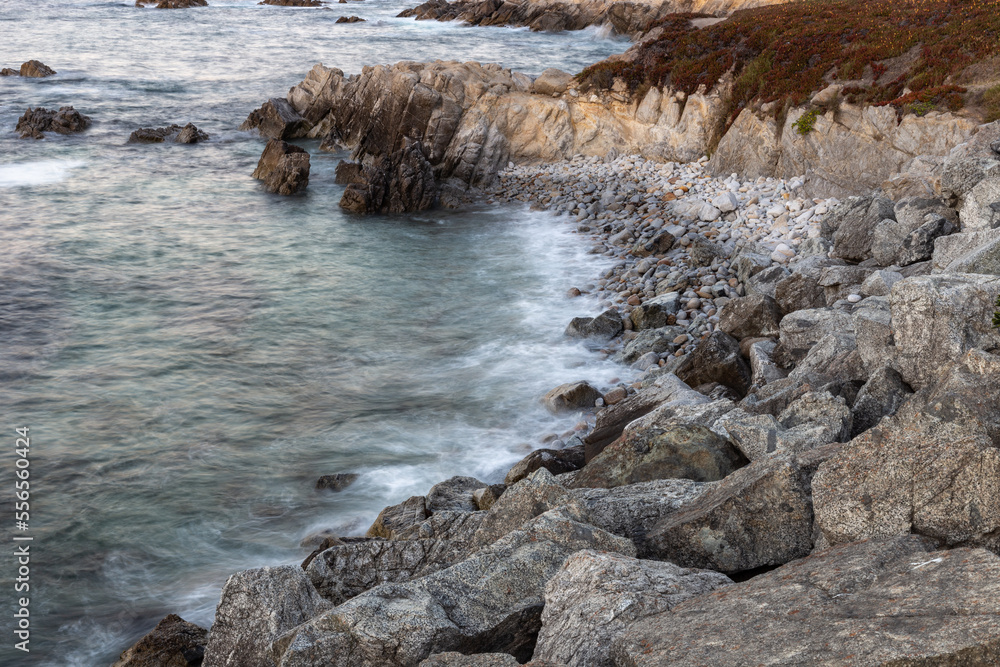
(805, 472)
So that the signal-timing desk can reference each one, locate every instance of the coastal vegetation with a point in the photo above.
(915, 55)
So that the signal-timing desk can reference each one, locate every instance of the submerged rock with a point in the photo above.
(173, 642)
(337, 482)
(283, 167)
(35, 122)
(350, 19)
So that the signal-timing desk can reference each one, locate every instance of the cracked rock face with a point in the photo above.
(912, 473)
(595, 596)
(883, 602)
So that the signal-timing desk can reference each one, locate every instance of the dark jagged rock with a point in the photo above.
(283, 167)
(397, 183)
(276, 119)
(36, 69)
(717, 359)
(556, 461)
(172, 4)
(189, 134)
(173, 642)
(6, 71)
(35, 122)
(350, 19)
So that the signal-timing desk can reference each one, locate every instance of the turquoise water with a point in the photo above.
(191, 353)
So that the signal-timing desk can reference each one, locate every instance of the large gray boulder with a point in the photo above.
(892, 243)
(456, 659)
(889, 603)
(536, 494)
(571, 396)
(676, 450)
(912, 473)
(750, 317)
(595, 596)
(717, 358)
(981, 208)
(344, 571)
(491, 602)
(453, 494)
(632, 511)
(967, 392)
(881, 396)
(396, 518)
(801, 330)
(551, 82)
(937, 318)
(949, 251)
(556, 461)
(758, 516)
(852, 224)
(656, 313)
(970, 163)
(256, 607)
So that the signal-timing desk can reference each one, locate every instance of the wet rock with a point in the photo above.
(750, 317)
(6, 71)
(276, 119)
(397, 518)
(36, 69)
(256, 607)
(881, 396)
(283, 167)
(189, 134)
(674, 451)
(489, 603)
(912, 474)
(173, 642)
(595, 596)
(716, 359)
(336, 482)
(35, 122)
(556, 461)
(400, 182)
(937, 318)
(350, 19)
(342, 572)
(760, 515)
(885, 602)
(660, 341)
(551, 82)
(571, 396)
(605, 326)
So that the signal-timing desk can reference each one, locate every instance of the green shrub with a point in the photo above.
(806, 122)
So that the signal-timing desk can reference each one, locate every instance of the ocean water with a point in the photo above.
(191, 353)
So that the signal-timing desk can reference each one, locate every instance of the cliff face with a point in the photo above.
(848, 151)
(468, 120)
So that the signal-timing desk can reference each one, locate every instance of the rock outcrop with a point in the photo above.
(283, 167)
(35, 122)
(36, 69)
